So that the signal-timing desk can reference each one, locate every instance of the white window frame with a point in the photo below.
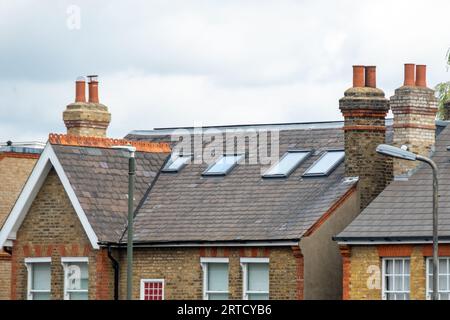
(383, 283)
(244, 266)
(29, 265)
(204, 263)
(144, 281)
(429, 272)
(64, 262)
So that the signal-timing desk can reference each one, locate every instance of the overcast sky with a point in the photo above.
(179, 63)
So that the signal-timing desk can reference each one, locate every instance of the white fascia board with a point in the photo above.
(213, 260)
(38, 260)
(254, 260)
(221, 244)
(34, 183)
(369, 243)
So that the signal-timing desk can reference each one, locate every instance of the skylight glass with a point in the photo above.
(287, 164)
(326, 163)
(223, 166)
(176, 163)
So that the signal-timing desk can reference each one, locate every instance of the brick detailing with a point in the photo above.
(346, 271)
(364, 110)
(51, 228)
(300, 272)
(86, 119)
(19, 155)
(181, 270)
(443, 250)
(394, 250)
(414, 110)
(142, 146)
(361, 257)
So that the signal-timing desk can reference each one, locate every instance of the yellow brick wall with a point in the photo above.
(418, 278)
(181, 270)
(13, 175)
(361, 261)
(366, 260)
(52, 229)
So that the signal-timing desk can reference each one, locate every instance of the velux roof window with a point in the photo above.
(287, 164)
(223, 166)
(176, 162)
(325, 164)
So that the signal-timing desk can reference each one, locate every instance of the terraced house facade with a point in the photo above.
(387, 248)
(255, 220)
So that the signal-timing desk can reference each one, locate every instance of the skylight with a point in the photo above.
(326, 163)
(176, 163)
(287, 164)
(223, 166)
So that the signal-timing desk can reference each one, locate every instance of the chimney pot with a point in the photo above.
(358, 76)
(421, 75)
(371, 76)
(80, 90)
(93, 89)
(409, 75)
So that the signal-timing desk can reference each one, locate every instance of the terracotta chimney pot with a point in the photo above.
(358, 76)
(80, 89)
(371, 76)
(421, 75)
(409, 75)
(93, 89)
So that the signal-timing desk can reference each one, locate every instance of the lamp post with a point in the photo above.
(131, 176)
(399, 153)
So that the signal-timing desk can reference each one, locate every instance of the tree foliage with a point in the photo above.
(443, 89)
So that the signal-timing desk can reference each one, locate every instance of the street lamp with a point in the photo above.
(131, 175)
(399, 153)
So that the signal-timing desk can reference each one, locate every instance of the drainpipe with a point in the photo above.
(115, 265)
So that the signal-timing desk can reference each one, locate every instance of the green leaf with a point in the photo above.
(443, 95)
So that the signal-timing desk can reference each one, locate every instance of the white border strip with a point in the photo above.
(143, 281)
(220, 244)
(368, 243)
(38, 260)
(254, 260)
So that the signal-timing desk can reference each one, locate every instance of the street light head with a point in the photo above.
(395, 152)
(128, 148)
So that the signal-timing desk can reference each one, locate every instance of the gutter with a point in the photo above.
(115, 265)
(381, 240)
(283, 243)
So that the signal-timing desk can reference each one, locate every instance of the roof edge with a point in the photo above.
(230, 243)
(330, 210)
(29, 192)
(388, 240)
(98, 142)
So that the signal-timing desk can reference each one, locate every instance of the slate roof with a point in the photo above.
(242, 206)
(403, 211)
(99, 178)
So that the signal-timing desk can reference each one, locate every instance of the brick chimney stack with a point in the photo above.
(86, 118)
(364, 108)
(414, 107)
